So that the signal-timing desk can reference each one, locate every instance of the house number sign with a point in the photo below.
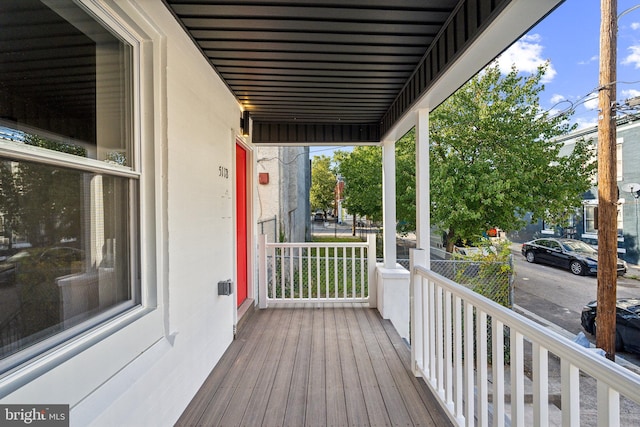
(223, 172)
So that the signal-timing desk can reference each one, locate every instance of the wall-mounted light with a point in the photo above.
(244, 123)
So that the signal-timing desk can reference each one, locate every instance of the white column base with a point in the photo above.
(393, 296)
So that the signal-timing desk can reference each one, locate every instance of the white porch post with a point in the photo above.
(389, 202)
(423, 200)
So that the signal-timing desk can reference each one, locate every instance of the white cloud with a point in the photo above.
(635, 25)
(591, 103)
(556, 98)
(587, 123)
(526, 54)
(594, 58)
(630, 93)
(634, 57)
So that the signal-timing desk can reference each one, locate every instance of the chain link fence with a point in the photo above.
(493, 280)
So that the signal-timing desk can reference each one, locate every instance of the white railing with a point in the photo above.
(317, 272)
(458, 347)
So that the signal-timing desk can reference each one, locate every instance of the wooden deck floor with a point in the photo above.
(330, 366)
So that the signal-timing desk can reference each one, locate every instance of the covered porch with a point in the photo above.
(320, 356)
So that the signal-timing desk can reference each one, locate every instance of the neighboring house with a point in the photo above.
(284, 176)
(583, 225)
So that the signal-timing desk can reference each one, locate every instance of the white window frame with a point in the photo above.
(619, 162)
(594, 204)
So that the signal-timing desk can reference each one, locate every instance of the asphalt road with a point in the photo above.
(555, 297)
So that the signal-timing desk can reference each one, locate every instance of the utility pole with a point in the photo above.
(607, 186)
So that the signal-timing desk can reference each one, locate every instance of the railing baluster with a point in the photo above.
(608, 406)
(353, 272)
(291, 285)
(300, 281)
(469, 359)
(326, 275)
(448, 350)
(540, 386)
(517, 379)
(570, 394)
(335, 272)
(318, 268)
(432, 331)
(309, 271)
(439, 343)
(457, 355)
(344, 272)
(497, 363)
(363, 279)
(483, 367)
(283, 273)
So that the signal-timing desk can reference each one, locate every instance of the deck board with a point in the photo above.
(316, 403)
(306, 365)
(370, 388)
(354, 398)
(260, 397)
(298, 388)
(279, 394)
(336, 409)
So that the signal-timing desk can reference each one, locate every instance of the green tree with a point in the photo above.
(406, 182)
(9, 201)
(494, 158)
(323, 184)
(49, 202)
(362, 173)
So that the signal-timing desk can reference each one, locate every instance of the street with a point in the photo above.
(555, 297)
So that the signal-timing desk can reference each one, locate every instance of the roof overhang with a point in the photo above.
(349, 72)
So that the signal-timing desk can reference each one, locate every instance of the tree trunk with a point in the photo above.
(450, 240)
(353, 226)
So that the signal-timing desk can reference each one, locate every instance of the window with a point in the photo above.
(591, 218)
(68, 181)
(619, 142)
(552, 244)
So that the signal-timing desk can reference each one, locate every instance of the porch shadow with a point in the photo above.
(333, 365)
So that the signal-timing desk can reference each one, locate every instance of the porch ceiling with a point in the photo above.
(338, 71)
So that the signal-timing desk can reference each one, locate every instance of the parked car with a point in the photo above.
(574, 255)
(319, 217)
(627, 323)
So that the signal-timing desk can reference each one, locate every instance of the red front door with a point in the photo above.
(241, 223)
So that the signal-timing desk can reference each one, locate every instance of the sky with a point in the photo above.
(569, 38)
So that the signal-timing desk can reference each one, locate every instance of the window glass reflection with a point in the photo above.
(64, 79)
(64, 250)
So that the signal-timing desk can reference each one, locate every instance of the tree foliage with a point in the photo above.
(362, 173)
(323, 184)
(41, 202)
(406, 182)
(494, 158)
